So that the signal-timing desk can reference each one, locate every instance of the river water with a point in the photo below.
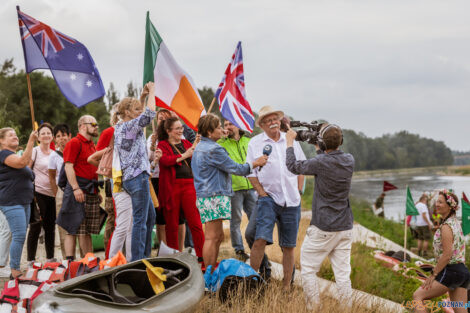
(370, 188)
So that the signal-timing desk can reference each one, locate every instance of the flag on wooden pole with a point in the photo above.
(388, 186)
(231, 94)
(174, 88)
(410, 204)
(464, 197)
(69, 61)
(465, 215)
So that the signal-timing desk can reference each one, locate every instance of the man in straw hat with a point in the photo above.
(278, 192)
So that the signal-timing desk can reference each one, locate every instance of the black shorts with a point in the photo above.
(160, 220)
(424, 233)
(454, 276)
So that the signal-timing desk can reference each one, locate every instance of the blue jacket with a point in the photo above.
(212, 167)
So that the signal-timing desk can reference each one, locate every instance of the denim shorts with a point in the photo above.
(454, 276)
(268, 213)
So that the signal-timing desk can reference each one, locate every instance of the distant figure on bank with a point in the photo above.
(450, 273)
(423, 225)
(378, 207)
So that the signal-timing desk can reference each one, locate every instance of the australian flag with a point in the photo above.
(69, 61)
(231, 94)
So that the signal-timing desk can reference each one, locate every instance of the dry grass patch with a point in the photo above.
(275, 300)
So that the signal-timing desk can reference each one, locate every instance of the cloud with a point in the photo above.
(372, 66)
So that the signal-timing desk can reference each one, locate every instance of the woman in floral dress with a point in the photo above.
(450, 273)
(212, 169)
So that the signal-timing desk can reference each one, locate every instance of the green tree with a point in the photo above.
(49, 103)
(112, 96)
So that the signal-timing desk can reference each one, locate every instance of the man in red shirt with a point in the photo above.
(80, 212)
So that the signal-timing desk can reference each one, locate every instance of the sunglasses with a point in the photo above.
(92, 124)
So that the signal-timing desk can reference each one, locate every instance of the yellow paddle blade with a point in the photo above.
(36, 126)
(156, 277)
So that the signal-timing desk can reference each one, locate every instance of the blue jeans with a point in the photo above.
(246, 200)
(18, 220)
(143, 215)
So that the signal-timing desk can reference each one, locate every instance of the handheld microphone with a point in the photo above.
(267, 151)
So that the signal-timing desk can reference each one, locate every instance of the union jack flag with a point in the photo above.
(231, 95)
(48, 37)
(68, 60)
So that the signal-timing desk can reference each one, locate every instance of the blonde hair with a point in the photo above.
(3, 133)
(114, 116)
(125, 104)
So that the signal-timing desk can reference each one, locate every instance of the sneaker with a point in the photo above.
(53, 260)
(5, 272)
(242, 256)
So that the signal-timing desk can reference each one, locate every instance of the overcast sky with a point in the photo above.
(374, 66)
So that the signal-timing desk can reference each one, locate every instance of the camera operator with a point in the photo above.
(330, 231)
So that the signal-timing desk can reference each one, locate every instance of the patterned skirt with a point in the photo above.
(214, 208)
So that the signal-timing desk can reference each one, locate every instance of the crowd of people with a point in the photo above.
(176, 177)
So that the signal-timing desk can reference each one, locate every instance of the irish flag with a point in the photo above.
(174, 88)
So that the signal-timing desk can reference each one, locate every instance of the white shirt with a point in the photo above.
(276, 179)
(422, 208)
(40, 164)
(55, 163)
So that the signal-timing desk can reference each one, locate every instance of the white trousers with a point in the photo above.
(5, 240)
(318, 245)
(123, 230)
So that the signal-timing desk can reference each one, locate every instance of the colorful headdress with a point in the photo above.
(450, 200)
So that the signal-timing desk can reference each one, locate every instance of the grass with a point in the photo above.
(363, 215)
(370, 276)
(275, 300)
(389, 229)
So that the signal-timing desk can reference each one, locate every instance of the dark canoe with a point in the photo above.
(126, 289)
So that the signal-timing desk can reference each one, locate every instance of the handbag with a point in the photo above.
(105, 167)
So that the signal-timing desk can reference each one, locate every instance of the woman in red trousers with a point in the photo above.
(176, 185)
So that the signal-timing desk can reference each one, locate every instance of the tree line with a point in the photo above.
(391, 151)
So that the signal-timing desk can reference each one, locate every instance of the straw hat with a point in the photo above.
(265, 111)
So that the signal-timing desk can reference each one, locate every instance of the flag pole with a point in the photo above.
(212, 104)
(31, 106)
(406, 226)
(404, 244)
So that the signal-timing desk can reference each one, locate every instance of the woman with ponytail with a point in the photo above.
(450, 273)
(129, 143)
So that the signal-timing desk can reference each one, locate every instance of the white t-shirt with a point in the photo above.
(55, 163)
(276, 179)
(422, 208)
(40, 168)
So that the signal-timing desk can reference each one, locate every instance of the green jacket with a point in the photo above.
(237, 151)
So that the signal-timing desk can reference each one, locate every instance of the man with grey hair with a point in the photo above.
(80, 211)
(278, 193)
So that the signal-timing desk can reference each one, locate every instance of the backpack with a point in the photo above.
(229, 276)
(62, 175)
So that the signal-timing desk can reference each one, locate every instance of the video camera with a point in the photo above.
(309, 135)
